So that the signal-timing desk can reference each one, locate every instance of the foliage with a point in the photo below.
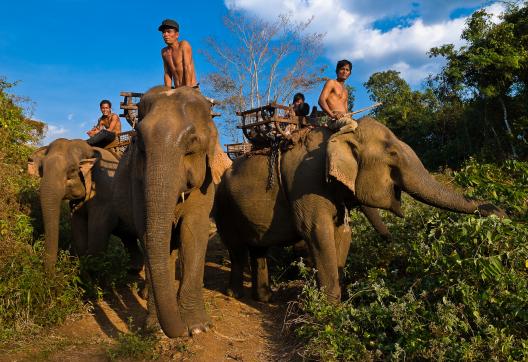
(135, 344)
(489, 72)
(261, 62)
(29, 298)
(447, 287)
(477, 106)
(105, 271)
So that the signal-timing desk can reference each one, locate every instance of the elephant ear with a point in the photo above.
(85, 167)
(341, 162)
(219, 163)
(35, 161)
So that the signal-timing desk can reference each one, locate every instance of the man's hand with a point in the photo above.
(337, 114)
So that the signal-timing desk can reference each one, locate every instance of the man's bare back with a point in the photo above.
(178, 64)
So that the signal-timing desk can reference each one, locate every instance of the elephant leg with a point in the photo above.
(238, 256)
(135, 254)
(343, 237)
(194, 232)
(100, 226)
(322, 246)
(79, 230)
(260, 285)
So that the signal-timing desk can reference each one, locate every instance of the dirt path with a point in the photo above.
(244, 330)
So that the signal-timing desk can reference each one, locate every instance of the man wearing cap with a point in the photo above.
(177, 57)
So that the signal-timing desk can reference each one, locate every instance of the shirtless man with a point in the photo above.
(107, 127)
(177, 57)
(334, 99)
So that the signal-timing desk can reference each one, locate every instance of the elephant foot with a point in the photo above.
(235, 292)
(196, 321)
(152, 324)
(262, 295)
(144, 293)
(197, 329)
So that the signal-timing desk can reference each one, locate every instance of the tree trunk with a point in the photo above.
(507, 124)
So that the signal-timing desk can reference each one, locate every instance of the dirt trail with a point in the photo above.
(244, 330)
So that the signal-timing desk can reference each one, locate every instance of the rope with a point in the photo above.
(274, 151)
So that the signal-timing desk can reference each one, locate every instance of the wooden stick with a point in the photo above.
(364, 109)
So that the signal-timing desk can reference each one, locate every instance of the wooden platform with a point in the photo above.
(129, 107)
(263, 125)
(120, 144)
(235, 150)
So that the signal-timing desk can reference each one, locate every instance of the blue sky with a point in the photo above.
(70, 54)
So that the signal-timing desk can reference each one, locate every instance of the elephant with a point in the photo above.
(320, 178)
(167, 179)
(75, 171)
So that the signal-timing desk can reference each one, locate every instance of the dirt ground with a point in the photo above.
(243, 330)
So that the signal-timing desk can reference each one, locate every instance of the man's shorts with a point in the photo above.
(345, 121)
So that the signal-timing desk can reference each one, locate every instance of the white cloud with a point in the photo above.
(350, 33)
(55, 130)
(70, 116)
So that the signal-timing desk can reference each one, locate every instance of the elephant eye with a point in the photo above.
(72, 172)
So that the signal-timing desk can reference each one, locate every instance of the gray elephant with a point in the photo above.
(75, 171)
(167, 180)
(322, 176)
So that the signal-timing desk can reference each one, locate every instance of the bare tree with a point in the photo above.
(264, 62)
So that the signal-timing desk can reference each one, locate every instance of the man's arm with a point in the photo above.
(95, 129)
(167, 78)
(325, 93)
(189, 77)
(114, 123)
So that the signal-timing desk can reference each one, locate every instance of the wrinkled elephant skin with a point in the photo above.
(166, 177)
(75, 171)
(322, 176)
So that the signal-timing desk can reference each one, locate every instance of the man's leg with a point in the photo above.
(101, 139)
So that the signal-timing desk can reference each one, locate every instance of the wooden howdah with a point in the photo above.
(129, 107)
(235, 150)
(120, 144)
(264, 125)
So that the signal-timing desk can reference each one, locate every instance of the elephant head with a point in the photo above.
(64, 167)
(376, 166)
(175, 145)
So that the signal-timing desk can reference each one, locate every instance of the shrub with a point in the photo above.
(447, 287)
(29, 298)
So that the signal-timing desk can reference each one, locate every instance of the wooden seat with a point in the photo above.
(267, 124)
(129, 107)
(119, 145)
(235, 150)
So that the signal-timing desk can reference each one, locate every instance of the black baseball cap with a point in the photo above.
(169, 23)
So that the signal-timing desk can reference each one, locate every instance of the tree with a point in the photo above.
(265, 61)
(490, 69)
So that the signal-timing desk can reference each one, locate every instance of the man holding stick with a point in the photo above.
(334, 99)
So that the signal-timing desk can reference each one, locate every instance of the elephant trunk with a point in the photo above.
(161, 193)
(422, 186)
(51, 195)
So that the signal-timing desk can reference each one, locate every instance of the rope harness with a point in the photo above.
(273, 156)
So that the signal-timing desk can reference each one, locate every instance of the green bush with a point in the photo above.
(105, 271)
(447, 287)
(29, 298)
(135, 344)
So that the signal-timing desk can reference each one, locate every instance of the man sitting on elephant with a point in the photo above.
(334, 99)
(107, 127)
